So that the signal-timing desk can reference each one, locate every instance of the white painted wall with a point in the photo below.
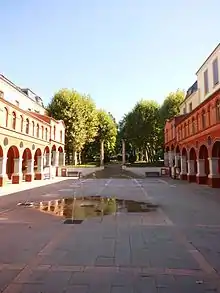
(200, 75)
(12, 95)
(194, 99)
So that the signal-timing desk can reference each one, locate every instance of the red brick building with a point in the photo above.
(192, 139)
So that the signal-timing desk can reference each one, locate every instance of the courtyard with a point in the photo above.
(173, 248)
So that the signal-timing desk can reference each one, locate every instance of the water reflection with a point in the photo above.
(80, 208)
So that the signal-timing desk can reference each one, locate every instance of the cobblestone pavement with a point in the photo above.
(174, 249)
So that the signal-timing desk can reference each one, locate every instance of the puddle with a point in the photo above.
(76, 209)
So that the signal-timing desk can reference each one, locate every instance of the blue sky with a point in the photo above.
(118, 51)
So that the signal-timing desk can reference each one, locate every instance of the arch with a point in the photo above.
(13, 120)
(203, 155)
(37, 154)
(27, 126)
(25, 157)
(184, 152)
(60, 149)
(177, 149)
(1, 152)
(172, 147)
(167, 149)
(216, 149)
(193, 157)
(12, 153)
(54, 148)
(46, 150)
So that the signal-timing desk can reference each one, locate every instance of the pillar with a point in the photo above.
(3, 175)
(183, 173)
(201, 177)
(30, 170)
(102, 153)
(40, 165)
(166, 159)
(123, 152)
(191, 175)
(48, 159)
(17, 175)
(55, 158)
(214, 176)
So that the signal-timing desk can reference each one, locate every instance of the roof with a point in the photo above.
(47, 118)
(216, 48)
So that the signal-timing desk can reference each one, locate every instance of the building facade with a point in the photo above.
(192, 139)
(31, 143)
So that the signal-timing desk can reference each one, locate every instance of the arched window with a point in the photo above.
(54, 132)
(46, 134)
(42, 132)
(22, 122)
(193, 126)
(61, 136)
(38, 130)
(6, 116)
(33, 128)
(27, 126)
(218, 110)
(203, 119)
(13, 120)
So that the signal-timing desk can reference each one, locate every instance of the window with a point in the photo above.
(33, 128)
(215, 72)
(203, 119)
(13, 120)
(61, 136)
(27, 126)
(190, 107)
(38, 130)
(54, 132)
(46, 134)
(22, 122)
(184, 110)
(6, 116)
(17, 103)
(1, 94)
(218, 110)
(193, 126)
(206, 82)
(29, 109)
(42, 132)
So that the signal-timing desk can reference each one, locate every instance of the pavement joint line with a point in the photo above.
(117, 268)
(25, 273)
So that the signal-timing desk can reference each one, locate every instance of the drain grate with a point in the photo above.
(71, 221)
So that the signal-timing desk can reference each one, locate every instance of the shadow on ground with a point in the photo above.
(113, 171)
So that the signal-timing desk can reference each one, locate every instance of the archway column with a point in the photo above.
(17, 175)
(214, 176)
(191, 175)
(40, 166)
(166, 159)
(183, 173)
(3, 175)
(201, 177)
(30, 170)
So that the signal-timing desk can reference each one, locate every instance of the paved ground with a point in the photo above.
(172, 250)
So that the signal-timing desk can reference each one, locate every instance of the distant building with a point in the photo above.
(192, 139)
(31, 143)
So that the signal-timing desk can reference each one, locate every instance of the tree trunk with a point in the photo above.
(141, 155)
(75, 161)
(80, 158)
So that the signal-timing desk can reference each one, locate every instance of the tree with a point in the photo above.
(80, 118)
(171, 105)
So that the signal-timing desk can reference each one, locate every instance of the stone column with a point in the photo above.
(3, 175)
(40, 165)
(48, 159)
(183, 173)
(170, 155)
(214, 176)
(201, 177)
(30, 170)
(123, 152)
(102, 153)
(166, 159)
(17, 175)
(191, 175)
